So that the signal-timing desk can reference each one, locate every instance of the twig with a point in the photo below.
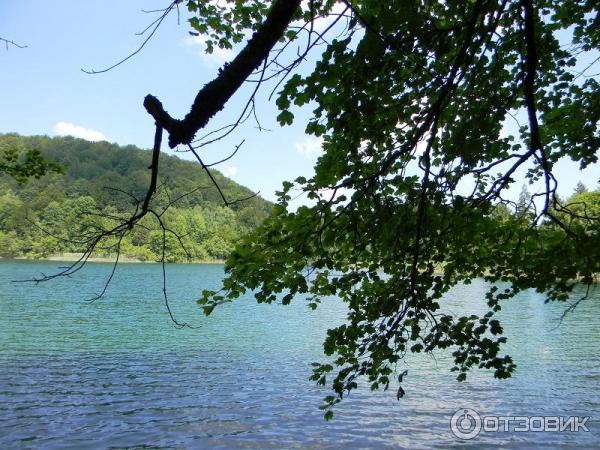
(8, 42)
(237, 147)
(157, 23)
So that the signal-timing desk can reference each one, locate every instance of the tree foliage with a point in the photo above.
(428, 111)
(22, 163)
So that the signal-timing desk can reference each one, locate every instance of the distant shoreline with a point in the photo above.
(73, 257)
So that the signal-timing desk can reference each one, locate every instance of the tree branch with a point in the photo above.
(213, 96)
(8, 42)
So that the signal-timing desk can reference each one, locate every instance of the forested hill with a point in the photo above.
(56, 202)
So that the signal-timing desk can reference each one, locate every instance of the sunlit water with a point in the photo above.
(115, 373)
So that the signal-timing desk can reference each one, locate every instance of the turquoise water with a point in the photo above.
(115, 373)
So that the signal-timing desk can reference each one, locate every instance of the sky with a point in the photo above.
(44, 91)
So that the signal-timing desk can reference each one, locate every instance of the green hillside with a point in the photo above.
(45, 216)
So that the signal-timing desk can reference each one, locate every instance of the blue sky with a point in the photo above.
(44, 91)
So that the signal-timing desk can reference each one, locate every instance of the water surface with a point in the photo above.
(115, 373)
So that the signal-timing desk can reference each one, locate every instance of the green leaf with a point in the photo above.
(285, 118)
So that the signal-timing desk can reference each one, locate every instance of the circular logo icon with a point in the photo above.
(465, 423)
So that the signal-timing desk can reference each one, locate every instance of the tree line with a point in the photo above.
(96, 186)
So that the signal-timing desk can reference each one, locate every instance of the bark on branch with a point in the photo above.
(213, 96)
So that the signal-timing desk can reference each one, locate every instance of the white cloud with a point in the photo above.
(70, 129)
(229, 171)
(310, 147)
(216, 58)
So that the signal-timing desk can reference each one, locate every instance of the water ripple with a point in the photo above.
(115, 374)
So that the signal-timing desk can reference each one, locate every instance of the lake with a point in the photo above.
(115, 373)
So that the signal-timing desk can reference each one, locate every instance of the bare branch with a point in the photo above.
(8, 43)
(205, 167)
(237, 147)
(153, 27)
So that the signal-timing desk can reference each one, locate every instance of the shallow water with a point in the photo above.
(116, 373)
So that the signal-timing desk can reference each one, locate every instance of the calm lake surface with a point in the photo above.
(116, 374)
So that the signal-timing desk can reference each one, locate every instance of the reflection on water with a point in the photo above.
(116, 373)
